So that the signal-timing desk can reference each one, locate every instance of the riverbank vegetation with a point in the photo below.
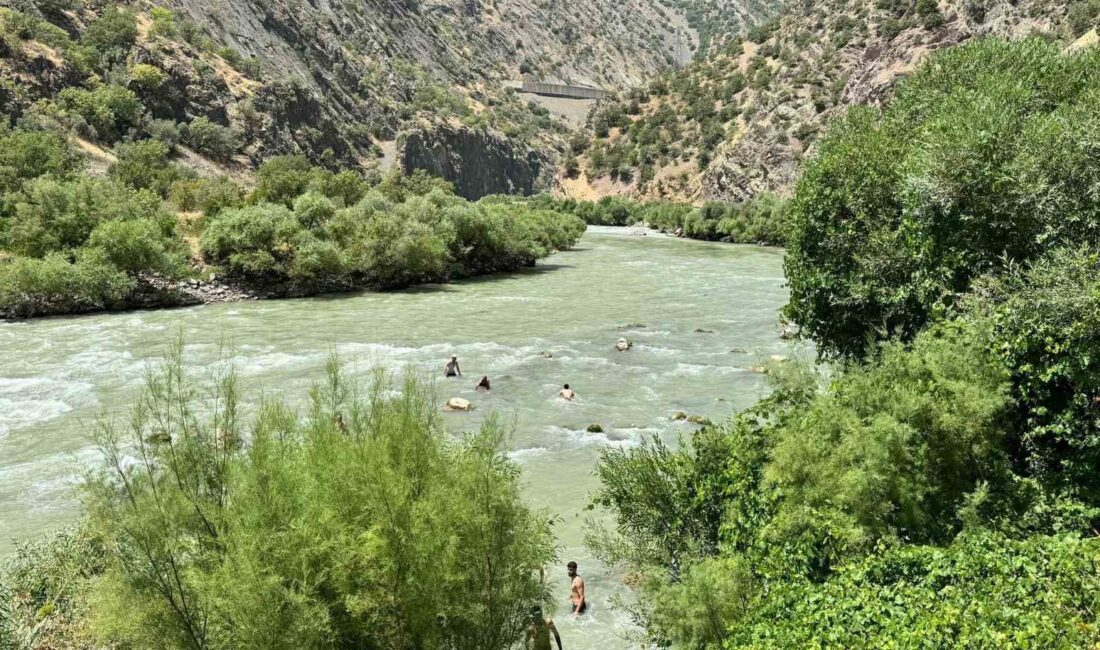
(359, 523)
(71, 241)
(937, 487)
(763, 220)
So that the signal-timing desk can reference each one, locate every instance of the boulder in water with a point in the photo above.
(594, 428)
(458, 404)
(546, 355)
(679, 415)
(622, 345)
(699, 419)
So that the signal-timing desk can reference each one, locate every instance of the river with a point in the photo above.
(689, 307)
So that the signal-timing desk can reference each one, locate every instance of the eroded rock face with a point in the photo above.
(478, 162)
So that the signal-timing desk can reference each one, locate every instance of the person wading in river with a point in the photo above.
(452, 369)
(566, 393)
(538, 632)
(576, 590)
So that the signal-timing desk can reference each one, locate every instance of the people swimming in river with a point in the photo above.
(539, 630)
(576, 590)
(566, 393)
(452, 369)
(483, 384)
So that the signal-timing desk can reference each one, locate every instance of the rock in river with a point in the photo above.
(458, 404)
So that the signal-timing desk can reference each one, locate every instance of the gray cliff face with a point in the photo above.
(478, 162)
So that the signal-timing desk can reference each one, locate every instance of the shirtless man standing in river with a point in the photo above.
(538, 631)
(576, 590)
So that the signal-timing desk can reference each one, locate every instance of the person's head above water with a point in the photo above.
(572, 568)
(454, 357)
(566, 387)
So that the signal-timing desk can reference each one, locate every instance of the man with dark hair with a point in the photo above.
(566, 393)
(538, 631)
(576, 590)
(451, 368)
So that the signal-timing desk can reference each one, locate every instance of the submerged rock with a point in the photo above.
(594, 428)
(458, 404)
(546, 355)
(679, 415)
(699, 419)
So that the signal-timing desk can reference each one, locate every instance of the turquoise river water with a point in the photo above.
(701, 315)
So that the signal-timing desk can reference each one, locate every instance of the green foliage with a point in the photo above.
(1043, 323)
(983, 591)
(47, 579)
(147, 79)
(256, 240)
(891, 450)
(281, 179)
(164, 22)
(144, 165)
(30, 286)
(414, 539)
(211, 139)
(29, 154)
(110, 111)
(313, 210)
(108, 39)
(207, 195)
(980, 160)
(137, 245)
(51, 215)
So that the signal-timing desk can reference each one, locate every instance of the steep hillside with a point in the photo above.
(740, 122)
(338, 81)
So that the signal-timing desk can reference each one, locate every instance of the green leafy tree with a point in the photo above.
(980, 160)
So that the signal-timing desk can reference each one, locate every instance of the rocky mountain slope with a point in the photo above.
(341, 81)
(740, 121)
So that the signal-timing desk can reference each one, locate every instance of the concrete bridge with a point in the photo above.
(563, 90)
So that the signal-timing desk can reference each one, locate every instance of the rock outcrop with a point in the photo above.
(478, 162)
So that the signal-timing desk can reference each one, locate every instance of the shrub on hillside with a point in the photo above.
(30, 154)
(110, 111)
(144, 165)
(210, 139)
(205, 194)
(281, 179)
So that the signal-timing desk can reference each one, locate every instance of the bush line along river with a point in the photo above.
(689, 307)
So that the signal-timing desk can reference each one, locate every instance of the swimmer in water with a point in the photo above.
(539, 630)
(576, 590)
(452, 369)
(483, 384)
(566, 393)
